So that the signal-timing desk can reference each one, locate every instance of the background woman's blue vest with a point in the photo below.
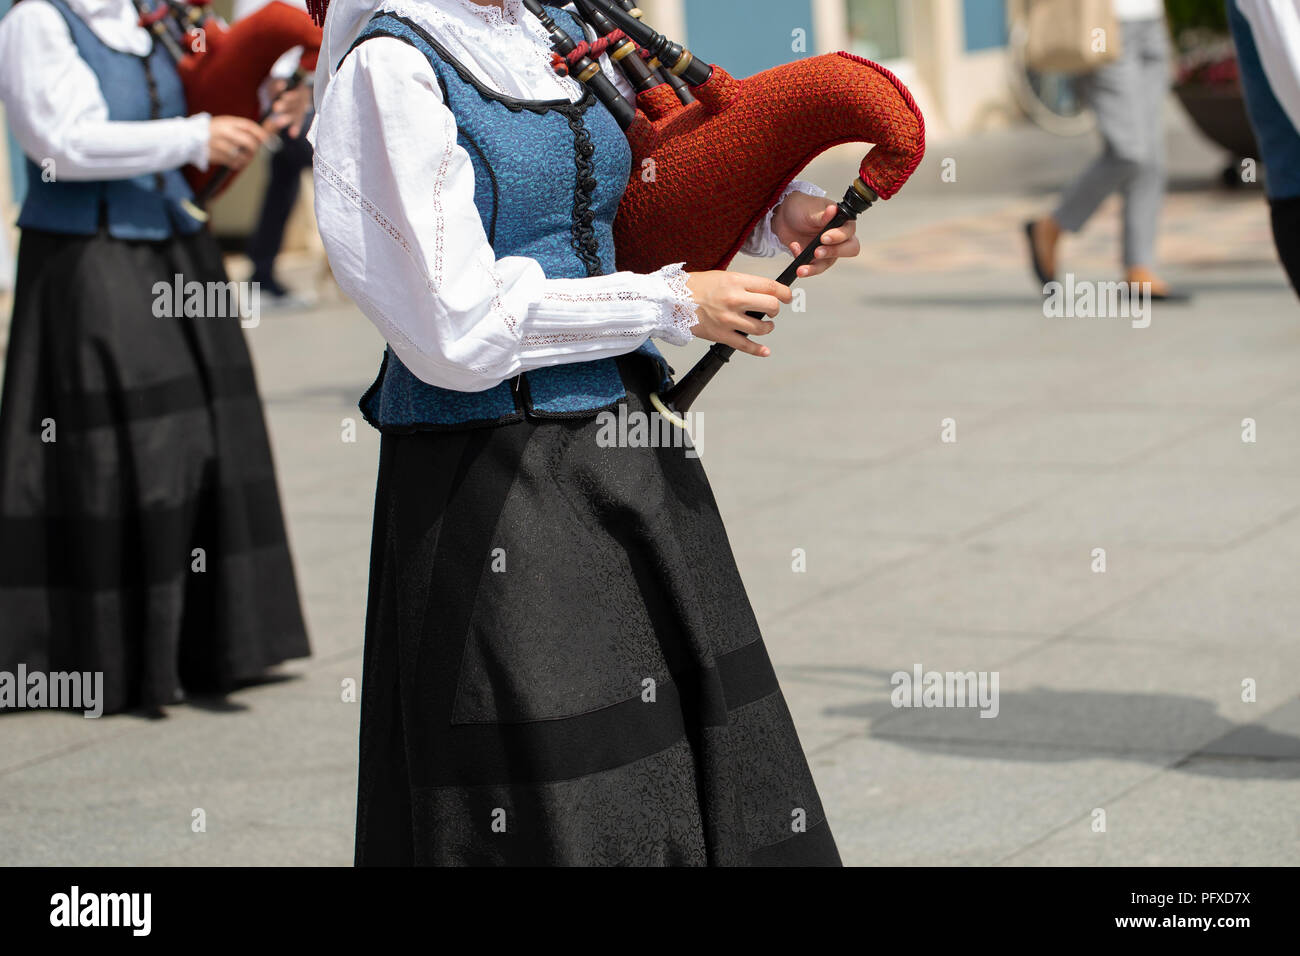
(145, 207)
(548, 179)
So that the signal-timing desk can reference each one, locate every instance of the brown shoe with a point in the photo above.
(1160, 289)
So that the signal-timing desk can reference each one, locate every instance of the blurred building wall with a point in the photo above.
(751, 38)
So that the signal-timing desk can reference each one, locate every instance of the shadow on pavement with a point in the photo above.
(1048, 725)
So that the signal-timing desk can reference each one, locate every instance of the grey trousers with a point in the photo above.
(1129, 99)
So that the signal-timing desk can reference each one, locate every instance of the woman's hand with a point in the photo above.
(801, 218)
(288, 106)
(723, 298)
(233, 141)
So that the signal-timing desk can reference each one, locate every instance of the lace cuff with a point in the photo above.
(764, 243)
(677, 307)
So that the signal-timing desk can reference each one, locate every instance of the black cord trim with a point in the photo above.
(155, 111)
(585, 243)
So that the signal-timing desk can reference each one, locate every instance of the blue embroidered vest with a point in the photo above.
(145, 207)
(548, 179)
(1279, 140)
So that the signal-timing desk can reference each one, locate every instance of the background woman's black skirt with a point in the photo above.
(140, 525)
(562, 666)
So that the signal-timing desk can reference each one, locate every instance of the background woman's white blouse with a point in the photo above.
(57, 110)
(395, 205)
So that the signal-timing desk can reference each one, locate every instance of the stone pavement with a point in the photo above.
(1119, 692)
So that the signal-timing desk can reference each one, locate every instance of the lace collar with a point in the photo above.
(487, 23)
(505, 47)
(509, 13)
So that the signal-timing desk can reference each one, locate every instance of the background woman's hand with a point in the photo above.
(798, 222)
(723, 298)
(233, 141)
(289, 107)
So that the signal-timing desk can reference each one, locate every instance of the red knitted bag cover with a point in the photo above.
(706, 174)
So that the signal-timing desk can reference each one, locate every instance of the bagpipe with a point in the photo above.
(723, 151)
(222, 66)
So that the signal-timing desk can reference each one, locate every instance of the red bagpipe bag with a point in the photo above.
(705, 175)
(224, 73)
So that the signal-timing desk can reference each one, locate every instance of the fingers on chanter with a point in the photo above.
(768, 305)
(840, 234)
(779, 291)
(748, 346)
(751, 326)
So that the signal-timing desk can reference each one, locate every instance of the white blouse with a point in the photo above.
(395, 206)
(57, 110)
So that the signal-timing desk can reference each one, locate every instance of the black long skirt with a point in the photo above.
(562, 666)
(140, 526)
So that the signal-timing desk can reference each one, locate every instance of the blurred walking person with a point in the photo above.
(1267, 34)
(1128, 95)
(288, 163)
(140, 527)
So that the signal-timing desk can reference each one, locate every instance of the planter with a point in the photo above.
(1219, 111)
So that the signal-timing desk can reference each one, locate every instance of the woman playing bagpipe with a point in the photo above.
(140, 526)
(561, 663)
